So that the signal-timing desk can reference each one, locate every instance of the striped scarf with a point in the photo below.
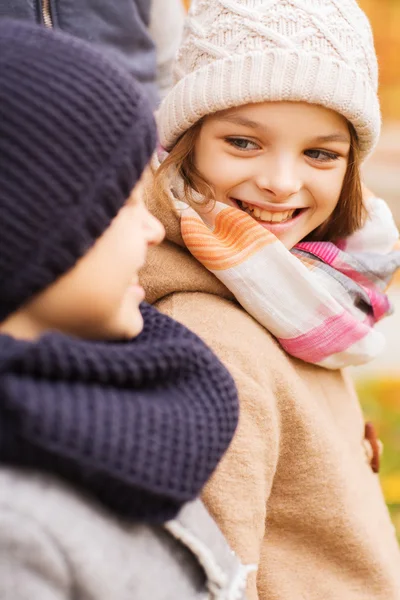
(320, 300)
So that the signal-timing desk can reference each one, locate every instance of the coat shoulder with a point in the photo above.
(245, 347)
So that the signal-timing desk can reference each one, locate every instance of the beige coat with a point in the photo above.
(294, 493)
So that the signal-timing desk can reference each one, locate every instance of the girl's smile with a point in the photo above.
(281, 162)
(271, 217)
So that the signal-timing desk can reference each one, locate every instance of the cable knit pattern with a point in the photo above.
(141, 424)
(239, 51)
(75, 135)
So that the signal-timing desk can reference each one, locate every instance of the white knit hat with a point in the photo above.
(236, 52)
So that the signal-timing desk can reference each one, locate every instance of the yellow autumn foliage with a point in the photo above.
(391, 488)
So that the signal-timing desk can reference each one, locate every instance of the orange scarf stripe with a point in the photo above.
(230, 221)
(233, 240)
(199, 234)
(220, 263)
(200, 237)
(223, 258)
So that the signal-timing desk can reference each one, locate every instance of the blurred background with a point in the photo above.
(379, 383)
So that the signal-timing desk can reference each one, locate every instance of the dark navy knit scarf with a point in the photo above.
(139, 424)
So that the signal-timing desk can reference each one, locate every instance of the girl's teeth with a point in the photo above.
(266, 215)
(275, 217)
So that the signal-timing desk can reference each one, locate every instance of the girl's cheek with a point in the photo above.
(328, 184)
(227, 171)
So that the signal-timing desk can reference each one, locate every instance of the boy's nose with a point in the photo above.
(156, 230)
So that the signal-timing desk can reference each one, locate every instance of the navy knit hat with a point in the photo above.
(75, 135)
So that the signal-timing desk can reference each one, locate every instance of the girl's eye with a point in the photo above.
(242, 143)
(321, 155)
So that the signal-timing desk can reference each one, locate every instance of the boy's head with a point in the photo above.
(75, 136)
(317, 56)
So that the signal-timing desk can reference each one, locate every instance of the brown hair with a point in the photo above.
(349, 213)
(347, 217)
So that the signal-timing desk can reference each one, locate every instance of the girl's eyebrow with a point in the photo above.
(336, 136)
(238, 120)
(332, 137)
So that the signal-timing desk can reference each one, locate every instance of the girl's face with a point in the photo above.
(99, 297)
(281, 162)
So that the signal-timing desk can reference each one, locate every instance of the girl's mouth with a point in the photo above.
(266, 217)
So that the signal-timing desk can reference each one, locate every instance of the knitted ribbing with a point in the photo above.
(140, 424)
(75, 136)
(236, 52)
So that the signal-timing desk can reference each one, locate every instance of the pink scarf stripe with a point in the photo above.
(335, 334)
(333, 256)
(326, 251)
(380, 304)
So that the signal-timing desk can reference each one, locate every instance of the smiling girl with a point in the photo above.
(274, 251)
(283, 163)
(293, 167)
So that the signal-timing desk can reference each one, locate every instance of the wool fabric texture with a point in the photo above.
(140, 424)
(75, 135)
(236, 52)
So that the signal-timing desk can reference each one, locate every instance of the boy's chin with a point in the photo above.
(118, 330)
(131, 327)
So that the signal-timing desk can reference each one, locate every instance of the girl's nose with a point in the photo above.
(279, 179)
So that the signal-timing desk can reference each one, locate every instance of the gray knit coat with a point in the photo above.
(56, 544)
